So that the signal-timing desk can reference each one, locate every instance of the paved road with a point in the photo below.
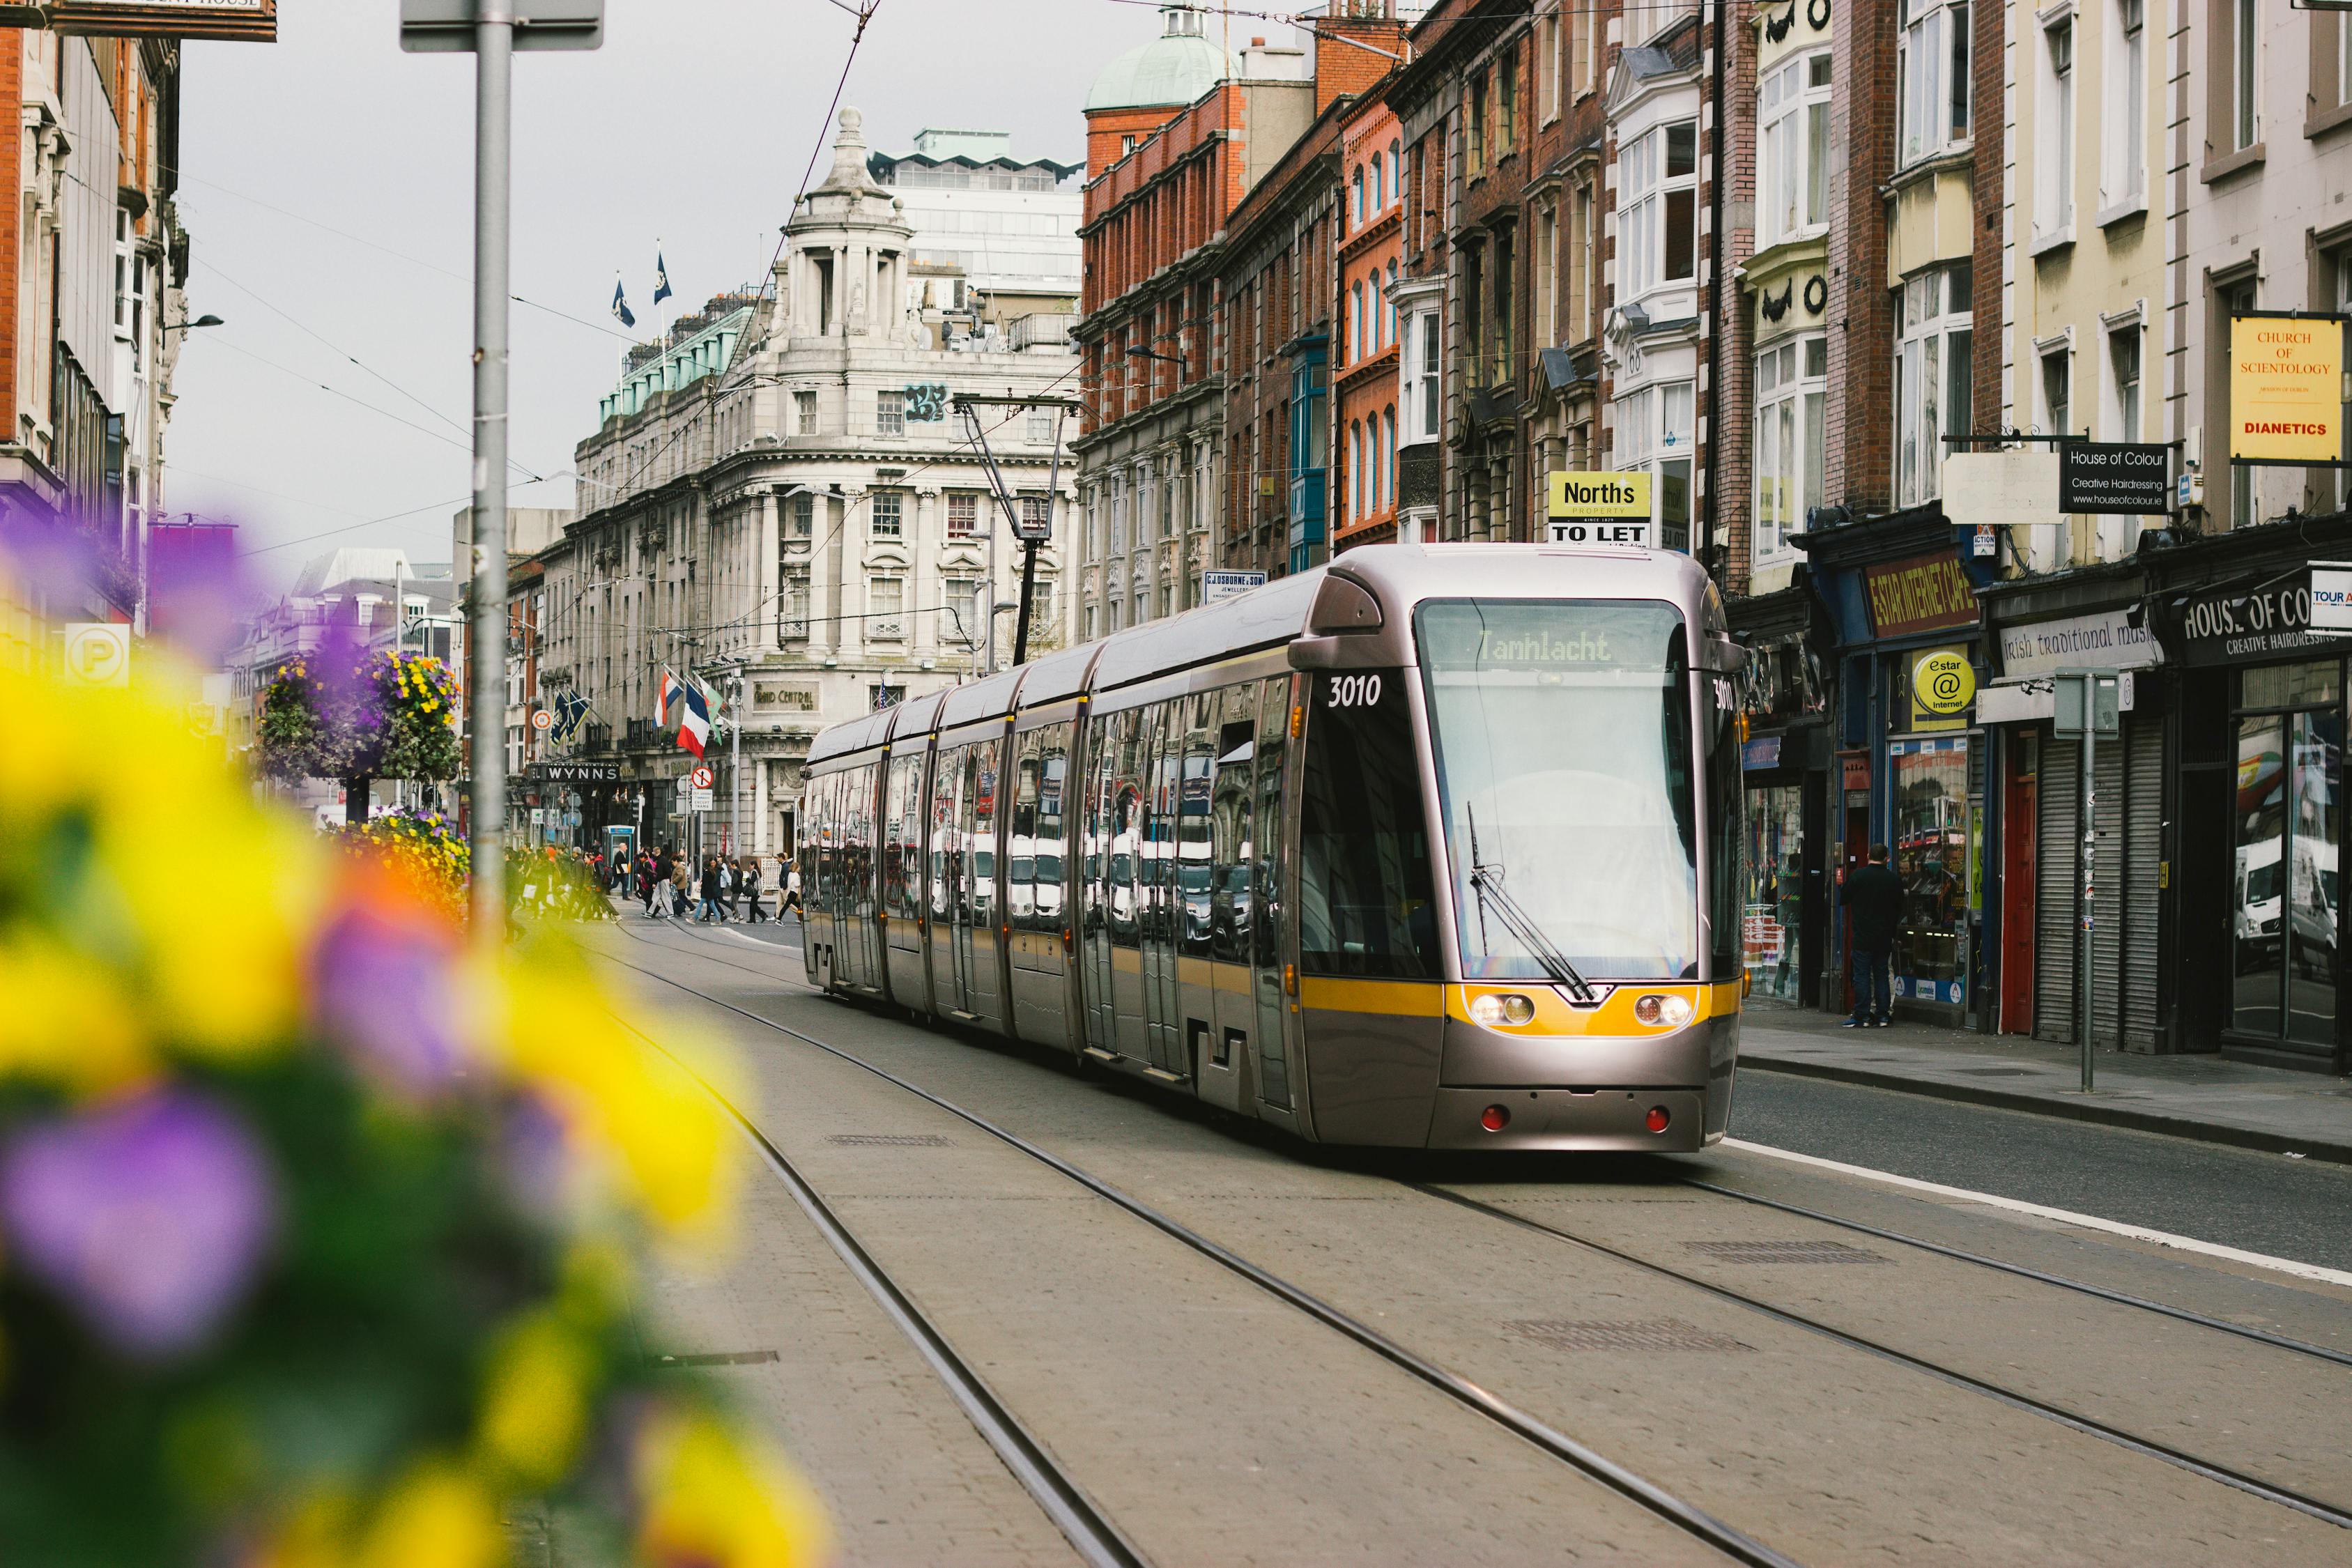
(2270, 1203)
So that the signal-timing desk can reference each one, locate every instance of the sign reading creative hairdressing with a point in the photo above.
(1923, 594)
(2286, 388)
(254, 21)
(2273, 619)
(2127, 477)
(1600, 508)
(2104, 639)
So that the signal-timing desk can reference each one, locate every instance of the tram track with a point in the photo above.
(1593, 1465)
(2220, 1474)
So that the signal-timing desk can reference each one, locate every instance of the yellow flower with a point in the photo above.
(66, 1021)
(711, 1499)
(535, 1403)
(437, 1515)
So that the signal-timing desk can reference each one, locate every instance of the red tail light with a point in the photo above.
(1494, 1118)
(1657, 1119)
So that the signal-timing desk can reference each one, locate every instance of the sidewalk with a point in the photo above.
(2200, 1097)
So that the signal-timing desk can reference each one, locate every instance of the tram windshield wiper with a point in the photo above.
(1486, 882)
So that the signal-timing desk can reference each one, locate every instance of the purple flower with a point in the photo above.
(535, 1158)
(149, 1217)
(382, 990)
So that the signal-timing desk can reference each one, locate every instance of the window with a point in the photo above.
(2246, 74)
(803, 413)
(1421, 375)
(1356, 322)
(1547, 65)
(1653, 432)
(1792, 422)
(1506, 96)
(888, 514)
(1580, 52)
(1794, 160)
(1355, 469)
(1933, 390)
(1546, 251)
(885, 606)
(792, 607)
(1931, 70)
(1580, 266)
(963, 515)
(1388, 460)
(959, 619)
(1389, 308)
(1657, 177)
(2057, 402)
(890, 414)
(1038, 512)
(1474, 129)
(1126, 145)
(1396, 171)
(1356, 198)
(2054, 210)
(1044, 426)
(1379, 186)
(2123, 358)
(800, 516)
(2236, 298)
(1372, 313)
(2123, 172)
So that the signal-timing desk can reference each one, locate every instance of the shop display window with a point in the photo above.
(1933, 825)
(2283, 878)
(1773, 913)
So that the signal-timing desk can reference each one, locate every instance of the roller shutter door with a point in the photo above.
(2143, 828)
(2057, 798)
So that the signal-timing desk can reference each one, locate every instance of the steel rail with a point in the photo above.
(2283, 1496)
(1726, 1538)
(2280, 1341)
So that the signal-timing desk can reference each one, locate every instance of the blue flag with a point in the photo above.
(621, 305)
(661, 279)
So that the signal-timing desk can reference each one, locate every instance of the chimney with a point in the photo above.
(1357, 44)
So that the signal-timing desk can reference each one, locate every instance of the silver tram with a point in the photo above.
(1432, 847)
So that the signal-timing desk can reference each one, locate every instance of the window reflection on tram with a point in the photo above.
(1563, 733)
(2285, 876)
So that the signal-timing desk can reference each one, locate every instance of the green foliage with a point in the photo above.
(378, 715)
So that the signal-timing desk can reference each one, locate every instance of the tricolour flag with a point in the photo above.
(684, 709)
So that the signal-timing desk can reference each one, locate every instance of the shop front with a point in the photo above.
(2089, 620)
(1902, 605)
(1784, 765)
(2262, 724)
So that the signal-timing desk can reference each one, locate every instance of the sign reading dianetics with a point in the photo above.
(253, 21)
(2286, 388)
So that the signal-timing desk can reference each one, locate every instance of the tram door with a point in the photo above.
(1269, 923)
(978, 934)
(868, 840)
(1162, 992)
(1098, 829)
(1129, 879)
(946, 877)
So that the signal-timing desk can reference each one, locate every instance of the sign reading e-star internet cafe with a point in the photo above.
(1600, 508)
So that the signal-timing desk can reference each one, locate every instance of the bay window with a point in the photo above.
(1793, 161)
(1792, 426)
(1654, 433)
(1422, 407)
(1931, 77)
(1933, 392)
(1657, 181)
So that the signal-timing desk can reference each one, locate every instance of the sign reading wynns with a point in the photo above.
(2287, 389)
(1923, 594)
(254, 21)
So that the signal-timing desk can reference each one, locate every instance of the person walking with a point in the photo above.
(646, 883)
(707, 910)
(751, 875)
(792, 893)
(1873, 896)
(680, 885)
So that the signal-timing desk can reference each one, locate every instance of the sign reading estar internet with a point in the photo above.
(1600, 509)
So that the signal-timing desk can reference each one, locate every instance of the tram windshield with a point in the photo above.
(1563, 734)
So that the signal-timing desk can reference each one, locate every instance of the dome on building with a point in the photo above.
(1175, 67)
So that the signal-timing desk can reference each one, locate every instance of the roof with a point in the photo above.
(1173, 69)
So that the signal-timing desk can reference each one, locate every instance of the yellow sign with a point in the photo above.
(1601, 495)
(98, 653)
(2287, 389)
(1943, 684)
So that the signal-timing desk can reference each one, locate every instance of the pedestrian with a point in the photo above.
(751, 889)
(1873, 896)
(680, 888)
(646, 883)
(727, 889)
(706, 888)
(791, 899)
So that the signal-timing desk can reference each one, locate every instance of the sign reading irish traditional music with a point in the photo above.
(1922, 593)
(254, 21)
(2286, 388)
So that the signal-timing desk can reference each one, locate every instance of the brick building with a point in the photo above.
(1364, 356)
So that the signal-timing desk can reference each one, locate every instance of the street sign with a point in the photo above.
(1993, 489)
(2086, 698)
(703, 778)
(543, 719)
(1215, 586)
(685, 786)
(576, 773)
(98, 653)
(702, 800)
(2124, 477)
(446, 26)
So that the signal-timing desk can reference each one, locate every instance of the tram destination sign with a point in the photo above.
(2273, 619)
(2133, 478)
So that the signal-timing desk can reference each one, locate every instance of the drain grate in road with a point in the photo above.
(715, 1358)
(1783, 1252)
(1625, 1334)
(890, 1140)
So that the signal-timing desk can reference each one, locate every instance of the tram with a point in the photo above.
(1434, 846)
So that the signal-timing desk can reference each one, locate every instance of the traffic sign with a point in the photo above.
(544, 718)
(437, 26)
(702, 778)
(98, 653)
(702, 800)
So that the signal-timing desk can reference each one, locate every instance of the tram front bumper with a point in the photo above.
(1596, 1121)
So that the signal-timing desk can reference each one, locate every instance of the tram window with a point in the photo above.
(1021, 834)
(1052, 823)
(1726, 802)
(980, 832)
(1160, 836)
(1195, 871)
(1129, 744)
(902, 835)
(1564, 735)
(1229, 818)
(947, 863)
(1367, 905)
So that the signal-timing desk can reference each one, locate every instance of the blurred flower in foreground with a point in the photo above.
(315, 1225)
(149, 1215)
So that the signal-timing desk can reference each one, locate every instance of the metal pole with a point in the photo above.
(493, 133)
(735, 767)
(2087, 938)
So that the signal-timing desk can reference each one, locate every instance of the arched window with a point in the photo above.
(1356, 198)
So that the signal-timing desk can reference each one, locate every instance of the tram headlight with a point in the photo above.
(1502, 1008)
(1661, 1012)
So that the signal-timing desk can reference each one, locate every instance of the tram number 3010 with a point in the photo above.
(1353, 692)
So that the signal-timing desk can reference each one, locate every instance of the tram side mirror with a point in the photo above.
(1343, 606)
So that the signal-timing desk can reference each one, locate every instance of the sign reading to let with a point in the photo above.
(1600, 509)
(2287, 389)
(1923, 594)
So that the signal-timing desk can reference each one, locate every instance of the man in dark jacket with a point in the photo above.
(1874, 901)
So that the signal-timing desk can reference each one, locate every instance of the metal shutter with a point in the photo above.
(2106, 949)
(2057, 794)
(2142, 850)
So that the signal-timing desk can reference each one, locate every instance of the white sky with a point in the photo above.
(693, 124)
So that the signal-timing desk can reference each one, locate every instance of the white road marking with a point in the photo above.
(2064, 1217)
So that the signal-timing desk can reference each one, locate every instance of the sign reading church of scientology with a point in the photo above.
(254, 21)
(1600, 508)
(2286, 388)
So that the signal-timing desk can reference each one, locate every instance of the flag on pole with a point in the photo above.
(621, 311)
(661, 279)
(684, 709)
